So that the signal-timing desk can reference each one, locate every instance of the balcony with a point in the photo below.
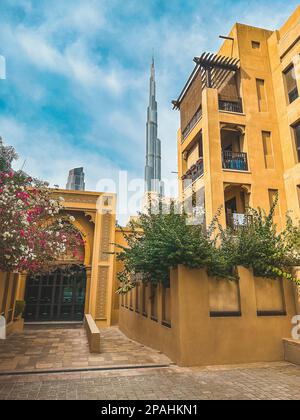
(236, 220)
(192, 124)
(231, 106)
(194, 173)
(236, 161)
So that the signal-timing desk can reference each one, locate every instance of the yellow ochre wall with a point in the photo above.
(277, 51)
(95, 217)
(284, 47)
(196, 338)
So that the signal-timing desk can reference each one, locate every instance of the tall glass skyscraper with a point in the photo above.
(153, 144)
(76, 180)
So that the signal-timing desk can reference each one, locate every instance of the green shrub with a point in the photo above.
(19, 308)
(159, 242)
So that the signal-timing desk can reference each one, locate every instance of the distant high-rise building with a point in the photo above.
(153, 144)
(76, 180)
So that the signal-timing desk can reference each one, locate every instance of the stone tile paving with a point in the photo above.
(62, 348)
(267, 382)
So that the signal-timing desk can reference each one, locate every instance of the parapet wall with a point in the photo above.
(202, 321)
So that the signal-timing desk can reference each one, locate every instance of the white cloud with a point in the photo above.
(105, 61)
(39, 52)
(50, 155)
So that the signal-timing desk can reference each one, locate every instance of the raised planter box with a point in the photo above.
(15, 327)
(93, 334)
(292, 351)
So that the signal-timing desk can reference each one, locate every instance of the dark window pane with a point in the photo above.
(46, 294)
(297, 140)
(44, 312)
(57, 296)
(32, 293)
(30, 312)
(291, 84)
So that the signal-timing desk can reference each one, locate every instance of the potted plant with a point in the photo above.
(18, 315)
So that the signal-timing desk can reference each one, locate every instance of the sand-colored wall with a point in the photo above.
(8, 297)
(278, 50)
(199, 337)
(142, 328)
(95, 218)
(284, 50)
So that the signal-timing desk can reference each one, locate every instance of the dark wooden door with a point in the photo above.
(57, 296)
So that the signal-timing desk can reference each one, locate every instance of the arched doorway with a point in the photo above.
(56, 296)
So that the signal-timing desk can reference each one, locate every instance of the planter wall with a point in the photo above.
(217, 323)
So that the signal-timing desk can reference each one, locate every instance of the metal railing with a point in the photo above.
(194, 173)
(231, 106)
(196, 118)
(236, 220)
(237, 161)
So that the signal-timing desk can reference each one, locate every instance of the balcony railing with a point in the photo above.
(293, 95)
(237, 161)
(231, 106)
(194, 173)
(236, 220)
(196, 118)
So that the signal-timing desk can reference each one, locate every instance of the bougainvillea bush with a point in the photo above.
(33, 230)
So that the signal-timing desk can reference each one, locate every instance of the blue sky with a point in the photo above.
(77, 76)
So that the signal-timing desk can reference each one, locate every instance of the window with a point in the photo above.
(268, 149)
(297, 140)
(291, 84)
(273, 194)
(255, 45)
(261, 95)
(298, 192)
(193, 156)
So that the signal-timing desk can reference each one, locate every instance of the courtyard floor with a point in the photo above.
(55, 363)
(40, 349)
(256, 382)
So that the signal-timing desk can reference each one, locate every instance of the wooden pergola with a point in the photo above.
(214, 69)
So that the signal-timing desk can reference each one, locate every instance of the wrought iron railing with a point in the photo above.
(231, 106)
(194, 173)
(237, 161)
(196, 118)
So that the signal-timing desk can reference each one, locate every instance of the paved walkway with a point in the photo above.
(63, 348)
(266, 382)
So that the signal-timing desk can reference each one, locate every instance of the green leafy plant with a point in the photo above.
(19, 308)
(258, 245)
(158, 241)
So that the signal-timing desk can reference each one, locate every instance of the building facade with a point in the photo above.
(76, 180)
(85, 284)
(239, 142)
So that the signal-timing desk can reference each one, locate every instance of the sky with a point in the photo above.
(77, 77)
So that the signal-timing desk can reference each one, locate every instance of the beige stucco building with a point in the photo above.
(238, 145)
(239, 140)
(79, 285)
